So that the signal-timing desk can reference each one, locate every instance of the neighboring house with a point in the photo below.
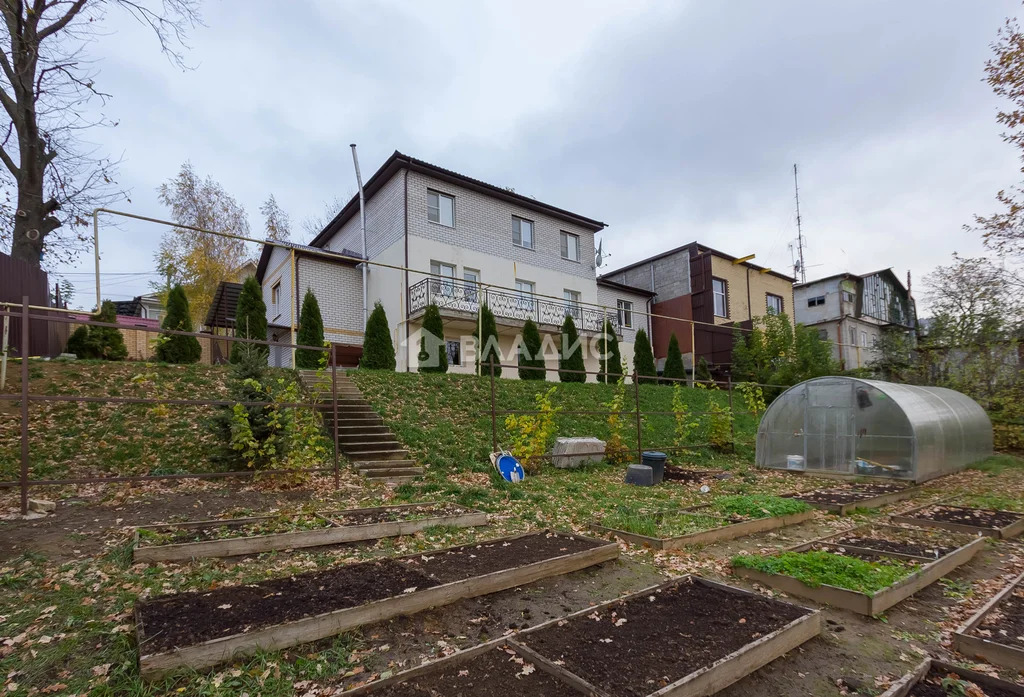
(464, 241)
(145, 306)
(851, 311)
(248, 268)
(701, 294)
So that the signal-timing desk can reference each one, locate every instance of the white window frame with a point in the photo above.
(816, 301)
(471, 284)
(625, 310)
(517, 231)
(864, 339)
(853, 336)
(768, 297)
(722, 294)
(436, 210)
(275, 294)
(445, 288)
(564, 239)
(527, 295)
(572, 303)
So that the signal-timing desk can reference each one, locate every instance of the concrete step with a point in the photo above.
(371, 445)
(368, 429)
(390, 480)
(393, 472)
(374, 453)
(383, 464)
(357, 421)
(364, 437)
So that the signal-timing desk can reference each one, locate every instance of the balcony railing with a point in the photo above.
(465, 296)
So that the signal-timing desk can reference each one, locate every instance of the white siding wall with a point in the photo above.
(279, 269)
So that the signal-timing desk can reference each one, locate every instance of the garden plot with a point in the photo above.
(934, 678)
(866, 570)
(727, 518)
(232, 537)
(688, 637)
(202, 629)
(981, 521)
(842, 500)
(996, 632)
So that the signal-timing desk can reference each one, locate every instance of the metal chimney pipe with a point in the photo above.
(362, 229)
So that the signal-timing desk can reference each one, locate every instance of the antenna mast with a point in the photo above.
(799, 232)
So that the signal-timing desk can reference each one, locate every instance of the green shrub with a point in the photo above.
(674, 361)
(174, 348)
(643, 359)
(311, 333)
(609, 355)
(570, 354)
(105, 343)
(432, 356)
(378, 349)
(817, 568)
(488, 347)
(250, 320)
(531, 361)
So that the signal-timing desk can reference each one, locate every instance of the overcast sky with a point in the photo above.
(672, 122)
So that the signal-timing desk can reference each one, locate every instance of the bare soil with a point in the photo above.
(931, 686)
(500, 672)
(879, 544)
(976, 517)
(838, 496)
(638, 646)
(478, 559)
(186, 619)
(1005, 622)
(396, 514)
(877, 489)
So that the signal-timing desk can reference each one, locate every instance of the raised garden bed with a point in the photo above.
(878, 540)
(232, 537)
(843, 500)
(994, 633)
(682, 475)
(927, 681)
(726, 519)
(202, 629)
(980, 521)
(863, 578)
(688, 637)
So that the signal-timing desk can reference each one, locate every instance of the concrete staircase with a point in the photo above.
(362, 435)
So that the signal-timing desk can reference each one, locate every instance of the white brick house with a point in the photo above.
(462, 241)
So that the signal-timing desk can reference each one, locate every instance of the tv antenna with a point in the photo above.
(798, 266)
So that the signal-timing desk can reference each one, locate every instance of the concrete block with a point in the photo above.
(573, 452)
(40, 506)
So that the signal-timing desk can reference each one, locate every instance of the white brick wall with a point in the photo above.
(338, 290)
(610, 297)
(385, 222)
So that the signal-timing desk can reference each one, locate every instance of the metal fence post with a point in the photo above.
(24, 405)
(334, 407)
(494, 416)
(732, 416)
(639, 436)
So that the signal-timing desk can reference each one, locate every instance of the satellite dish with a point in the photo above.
(599, 254)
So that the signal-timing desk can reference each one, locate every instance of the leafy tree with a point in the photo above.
(643, 359)
(774, 353)
(48, 89)
(378, 349)
(199, 261)
(570, 355)
(250, 320)
(674, 361)
(311, 333)
(531, 360)
(174, 348)
(608, 351)
(490, 349)
(277, 223)
(104, 343)
(432, 357)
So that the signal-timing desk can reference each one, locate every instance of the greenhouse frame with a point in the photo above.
(854, 427)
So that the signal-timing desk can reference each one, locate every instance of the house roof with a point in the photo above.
(602, 281)
(342, 257)
(224, 305)
(399, 161)
(701, 249)
(847, 274)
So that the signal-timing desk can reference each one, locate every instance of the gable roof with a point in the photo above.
(701, 249)
(341, 257)
(846, 274)
(399, 161)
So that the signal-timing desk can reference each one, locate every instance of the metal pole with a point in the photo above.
(639, 437)
(494, 417)
(3, 351)
(334, 402)
(479, 329)
(24, 405)
(96, 253)
(732, 421)
(362, 228)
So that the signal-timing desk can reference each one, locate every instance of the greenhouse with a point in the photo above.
(849, 426)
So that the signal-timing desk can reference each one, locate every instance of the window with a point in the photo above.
(774, 303)
(864, 339)
(720, 290)
(847, 296)
(444, 286)
(572, 303)
(815, 301)
(453, 349)
(625, 313)
(440, 208)
(275, 293)
(522, 232)
(472, 284)
(853, 336)
(823, 334)
(570, 246)
(525, 290)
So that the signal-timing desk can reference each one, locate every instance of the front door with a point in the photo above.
(830, 430)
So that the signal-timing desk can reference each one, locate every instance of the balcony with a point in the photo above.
(454, 298)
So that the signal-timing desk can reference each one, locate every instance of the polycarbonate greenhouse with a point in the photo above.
(850, 426)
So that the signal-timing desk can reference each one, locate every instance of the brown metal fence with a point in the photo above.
(31, 316)
(18, 279)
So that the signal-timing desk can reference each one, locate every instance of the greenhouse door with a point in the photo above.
(830, 434)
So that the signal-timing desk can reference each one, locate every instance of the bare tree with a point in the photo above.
(277, 223)
(199, 261)
(52, 177)
(316, 222)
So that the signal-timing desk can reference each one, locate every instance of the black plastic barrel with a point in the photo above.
(656, 461)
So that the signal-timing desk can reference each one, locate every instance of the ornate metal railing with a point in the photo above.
(465, 296)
